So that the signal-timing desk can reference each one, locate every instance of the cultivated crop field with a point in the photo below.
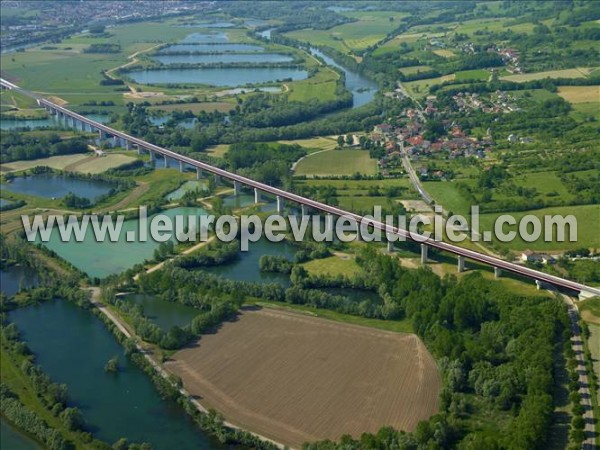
(337, 162)
(83, 163)
(580, 94)
(579, 72)
(295, 378)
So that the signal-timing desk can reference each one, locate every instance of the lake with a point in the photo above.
(245, 267)
(217, 76)
(55, 186)
(209, 48)
(12, 438)
(72, 346)
(50, 122)
(205, 38)
(363, 90)
(163, 313)
(224, 58)
(13, 278)
(100, 259)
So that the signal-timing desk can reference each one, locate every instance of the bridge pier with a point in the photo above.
(256, 195)
(181, 166)
(279, 204)
(217, 179)
(198, 173)
(102, 134)
(304, 210)
(461, 263)
(538, 284)
(390, 247)
(152, 155)
(236, 188)
(497, 272)
(166, 161)
(424, 250)
(127, 144)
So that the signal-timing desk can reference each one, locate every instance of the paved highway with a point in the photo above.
(391, 231)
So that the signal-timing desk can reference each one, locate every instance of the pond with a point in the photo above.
(72, 346)
(186, 187)
(17, 277)
(100, 259)
(245, 267)
(163, 313)
(224, 58)
(209, 48)
(205, 38)
(54, 186)
(363, 90)
(12, 438)
(217, 76)
(185, 123)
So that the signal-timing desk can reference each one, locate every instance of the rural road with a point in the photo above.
(586, 399)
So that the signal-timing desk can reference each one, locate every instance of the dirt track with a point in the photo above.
(295, 378)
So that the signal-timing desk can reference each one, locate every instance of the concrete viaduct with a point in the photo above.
(127, 141)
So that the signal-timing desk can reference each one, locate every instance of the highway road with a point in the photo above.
(391, 231)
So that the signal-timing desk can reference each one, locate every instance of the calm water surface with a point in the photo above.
(72, 346)
(54, 186)
(163, 313)
(13, 278)
(100, 259)
(217, 76)
(12, 439)
(224, 58)
(208, 48)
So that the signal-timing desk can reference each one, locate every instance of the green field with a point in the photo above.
(321, 86)
(420, 88)
(580, 72)
(314, 144)
(587, 216)
(333, 266)
(370, 28)
(336, 163)
(479, 74)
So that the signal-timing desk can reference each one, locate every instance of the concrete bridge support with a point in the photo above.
(538, 284)
(198, 173)
(280, 204)
(424, 250)
(390, 247)
(461, 263)
(217, 179)
(304, 210)
(237, 188)
(256, 195)
(102, 134)
(152, 155)
(181, 166)
(497, 272)
(166, 161)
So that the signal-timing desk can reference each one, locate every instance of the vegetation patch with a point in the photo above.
(336, 163)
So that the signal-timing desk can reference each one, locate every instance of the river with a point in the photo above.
(363, 90)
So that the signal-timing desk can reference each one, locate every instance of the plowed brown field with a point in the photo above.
(295, 378)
